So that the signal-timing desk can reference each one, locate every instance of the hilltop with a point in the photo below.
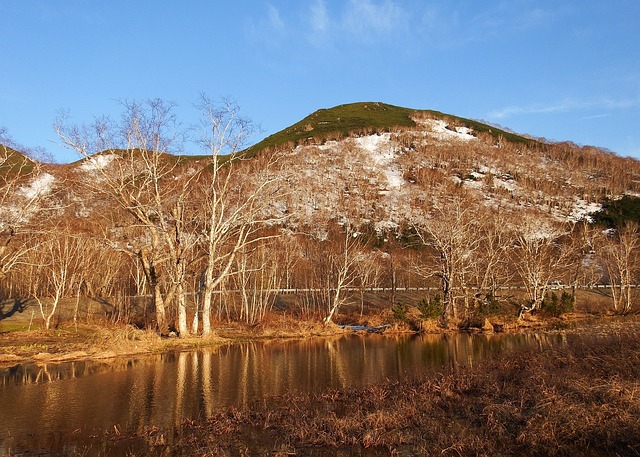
(372, 163)
(367, 117)
(356, 196)
(14, 163)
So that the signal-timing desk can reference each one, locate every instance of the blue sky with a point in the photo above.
(562, 70)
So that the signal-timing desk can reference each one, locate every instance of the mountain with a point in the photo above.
(374, 163)
(13, 162)
(366, 117)
(360, 194)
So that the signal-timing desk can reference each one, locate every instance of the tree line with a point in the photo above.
(185, 231)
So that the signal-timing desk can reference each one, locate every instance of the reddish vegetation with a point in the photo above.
(577, 398)
(135, 235)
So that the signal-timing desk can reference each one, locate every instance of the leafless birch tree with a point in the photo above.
(234, 207)
(343, 272)
(452, 232)
(24, 189)
(61, 265)
(621, 253)
(539, 254)
(128, 162)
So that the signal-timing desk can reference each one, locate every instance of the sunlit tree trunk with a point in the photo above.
(343, 269)
(621, 252)
(232, 204)
(452, 231)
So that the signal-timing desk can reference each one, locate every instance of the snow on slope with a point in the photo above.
(40, 186)
(385, 179)
(582, 210)
(439, 130)
(382, 154)
(364, 178)
(97, 162)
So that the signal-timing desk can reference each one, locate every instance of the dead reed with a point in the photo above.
(579, 397)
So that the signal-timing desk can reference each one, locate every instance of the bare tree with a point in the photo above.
(621, 253)
(61, 267)
(539, 255)
(492, 269)
(368, 272)
(24, 190)
(343, 269)
(234, 208)
(128, 162)
(256, 278)
(451, 231)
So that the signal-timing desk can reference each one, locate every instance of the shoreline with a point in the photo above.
(579, 396)
(95, 342)
(574, 399)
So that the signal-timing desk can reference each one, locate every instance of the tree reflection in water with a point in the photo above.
(40, 401)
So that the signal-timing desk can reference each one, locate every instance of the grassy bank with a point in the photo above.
(582, 397)
(21, 342)
(108, 340)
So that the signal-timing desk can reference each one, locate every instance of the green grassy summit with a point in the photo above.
(13, 163)
(365, 118)
(338, 122)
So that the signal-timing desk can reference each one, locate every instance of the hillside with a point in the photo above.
(378, 170)
(372, 163)
(366, 117)
(14, 163)
(376, 164)
(359, 195)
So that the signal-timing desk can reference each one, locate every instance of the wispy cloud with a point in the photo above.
(596, 116)
(269, 29)
(274, 20)
(319, 17)
(565, 106)
(445, 27)
(510, 111)
(359, 21)
(366, 19)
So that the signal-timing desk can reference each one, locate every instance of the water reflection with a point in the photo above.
(41, 401)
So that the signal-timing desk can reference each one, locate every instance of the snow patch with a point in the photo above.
(373, 143)
(385, 226)
(582, 210)
(97, 162)
(509, 185)
(39, 187)
(382, 154)
(440, 131)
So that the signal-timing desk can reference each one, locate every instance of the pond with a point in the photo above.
(43, 407)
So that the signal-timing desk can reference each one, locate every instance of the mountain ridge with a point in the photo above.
(406, 180)
(367, 117)
(358, 118)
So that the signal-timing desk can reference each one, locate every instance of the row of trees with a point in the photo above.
(198, 235)
(478, 250)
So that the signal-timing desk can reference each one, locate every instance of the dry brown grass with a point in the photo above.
(579, 398)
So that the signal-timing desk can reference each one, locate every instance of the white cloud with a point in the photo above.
(365, 18)
(565, 106)
(319, 16)
(510, 111)
(268, 29)
(274, 19)
(447, 27)
(595, 116)
(363, 21)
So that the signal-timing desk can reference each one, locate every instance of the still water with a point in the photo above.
(43, 404)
